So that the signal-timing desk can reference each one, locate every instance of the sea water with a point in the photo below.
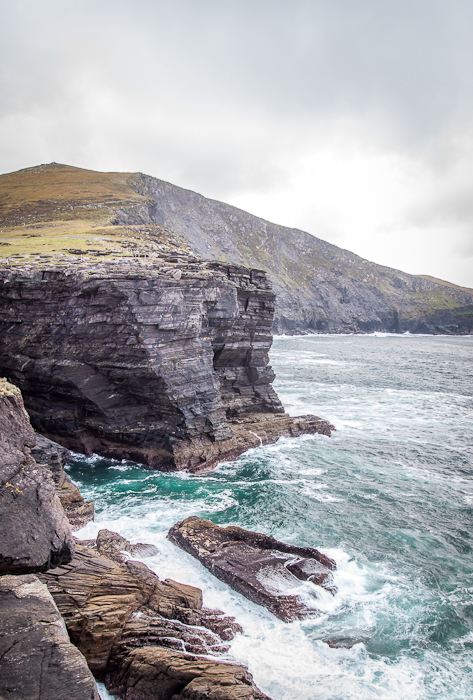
(389, 496)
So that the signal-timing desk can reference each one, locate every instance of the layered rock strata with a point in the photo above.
(54, 457)
(37, 659)
(153, 673)
(34, 531)
(144, 637)
(161, 363)
(257, 566)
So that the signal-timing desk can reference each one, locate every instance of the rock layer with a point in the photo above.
(152, 673)
(37, 660)
(144, 637)
(34, 531)
(256, 565)
(54, 456)
(164, 363)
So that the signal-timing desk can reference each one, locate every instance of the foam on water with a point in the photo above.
(389, 496)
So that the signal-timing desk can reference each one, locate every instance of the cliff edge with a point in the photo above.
(163, 361)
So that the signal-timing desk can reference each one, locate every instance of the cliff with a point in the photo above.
(34, 531)
(56, 211)
(163, 362)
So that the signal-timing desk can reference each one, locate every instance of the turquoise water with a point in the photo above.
(389, 496)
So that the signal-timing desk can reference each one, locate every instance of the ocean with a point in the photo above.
(389, 496)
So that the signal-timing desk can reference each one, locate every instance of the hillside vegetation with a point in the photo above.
(57, 212)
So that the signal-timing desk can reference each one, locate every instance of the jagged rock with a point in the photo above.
(140, 365)
(54, 456)
(78, 511)
(111, 545)
(34, 531)
(111, 607)
(153, 673)
(37, 660)
(257, 566)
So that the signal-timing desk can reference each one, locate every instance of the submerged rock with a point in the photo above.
(37, 659)
(257, 566)
(34, 531)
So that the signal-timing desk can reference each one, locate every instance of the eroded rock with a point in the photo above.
(153, 673)
(140, 363)
(34, 531)
(257, 566)
(113, 545)
(52, 455)
(37, 660)
(111, 607)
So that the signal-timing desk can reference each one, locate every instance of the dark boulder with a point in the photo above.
(257, 566)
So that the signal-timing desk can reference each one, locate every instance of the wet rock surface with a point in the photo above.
(257, 566)
(37, 660)
(164, 363)
(153, 673)
(34, 531)
(111, 607)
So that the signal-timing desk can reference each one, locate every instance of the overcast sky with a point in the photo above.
(349, 119)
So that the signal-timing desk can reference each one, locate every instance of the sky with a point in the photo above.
(349, 119)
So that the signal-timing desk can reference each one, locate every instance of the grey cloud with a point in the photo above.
(225, 97)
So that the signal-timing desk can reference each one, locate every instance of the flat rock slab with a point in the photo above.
(259, 567)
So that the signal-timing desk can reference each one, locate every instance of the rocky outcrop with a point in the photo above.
(140, 633)
(152, 673)
(257, 566)
(111, 607)
(37, 660)
(54, 456)
(164, 362)
(34, 531)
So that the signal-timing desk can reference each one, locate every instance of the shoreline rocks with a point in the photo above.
(257, 566)
(145, 638)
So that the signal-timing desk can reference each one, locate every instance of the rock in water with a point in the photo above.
(127, 360)
(37, 660)
(34, 531)
(257, 566)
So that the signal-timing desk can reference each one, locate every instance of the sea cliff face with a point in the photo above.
(162, 362)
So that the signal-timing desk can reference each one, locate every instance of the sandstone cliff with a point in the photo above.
(163, 362)
(59, 212)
